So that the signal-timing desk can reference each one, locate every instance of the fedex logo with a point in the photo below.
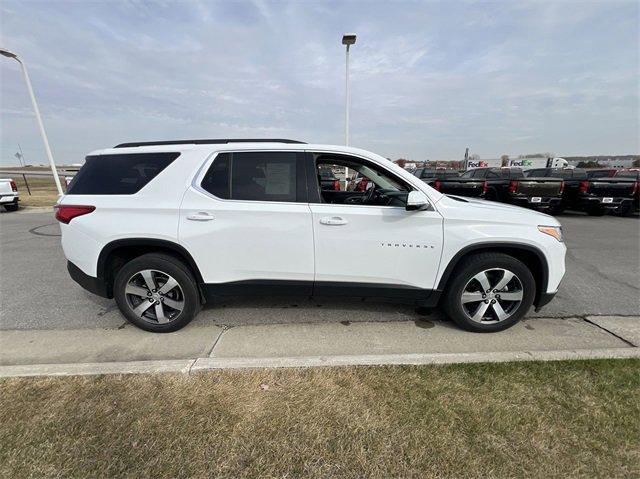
(521, 163)
(477, 164)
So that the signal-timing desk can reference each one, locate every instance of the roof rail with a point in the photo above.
(207, 142)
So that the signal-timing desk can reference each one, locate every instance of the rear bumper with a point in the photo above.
(90, 283)
(6, 199)
(599, 201)
(527, 201)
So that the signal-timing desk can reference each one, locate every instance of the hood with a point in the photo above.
(483, 209)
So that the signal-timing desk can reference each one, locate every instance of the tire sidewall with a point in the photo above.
(172, 267)
(463, 275)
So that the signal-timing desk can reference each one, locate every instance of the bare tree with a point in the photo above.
(401, 162)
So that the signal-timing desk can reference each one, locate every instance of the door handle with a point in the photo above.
(333, 221)
(200, 216)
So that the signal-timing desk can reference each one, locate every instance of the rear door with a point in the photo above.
(372, 249)
(246, 221)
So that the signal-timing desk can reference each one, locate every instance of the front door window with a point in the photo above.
(367, 184)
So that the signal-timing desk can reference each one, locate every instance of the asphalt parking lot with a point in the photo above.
(603, 278)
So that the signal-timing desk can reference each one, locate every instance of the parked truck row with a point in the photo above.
(551, 190)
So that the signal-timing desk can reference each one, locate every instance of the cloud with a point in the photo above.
(428, 79)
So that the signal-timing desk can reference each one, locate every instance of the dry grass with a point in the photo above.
(43, 191)
(566, 419)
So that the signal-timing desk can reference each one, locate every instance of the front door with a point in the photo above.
(247, 223)
(366, 242)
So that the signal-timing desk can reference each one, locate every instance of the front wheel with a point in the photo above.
(489, 292)
(157, 293)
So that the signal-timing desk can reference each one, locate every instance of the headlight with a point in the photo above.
(555, 231)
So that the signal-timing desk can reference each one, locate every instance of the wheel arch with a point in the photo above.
(116, 253)
(530, 255)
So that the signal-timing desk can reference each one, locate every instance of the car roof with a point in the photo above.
(235, 146)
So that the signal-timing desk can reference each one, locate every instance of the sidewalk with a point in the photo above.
(203, 345)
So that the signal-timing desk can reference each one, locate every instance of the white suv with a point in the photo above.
(164, 227)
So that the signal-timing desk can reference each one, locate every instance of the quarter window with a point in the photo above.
(254, 176)
(124, 174)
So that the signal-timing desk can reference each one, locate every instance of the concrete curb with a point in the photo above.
(188, 366)
(85, 369)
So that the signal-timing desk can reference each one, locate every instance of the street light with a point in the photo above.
(348, 39)
(9, 54)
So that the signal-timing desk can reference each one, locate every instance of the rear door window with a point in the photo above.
(256, 176)
(123, 174)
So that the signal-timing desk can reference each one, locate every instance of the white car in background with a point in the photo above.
(9, 195)
(163, 227)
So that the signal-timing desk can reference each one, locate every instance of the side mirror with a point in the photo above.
(416, 201)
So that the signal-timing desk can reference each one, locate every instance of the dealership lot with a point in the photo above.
(36, 292)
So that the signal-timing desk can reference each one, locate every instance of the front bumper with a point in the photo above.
(90, 283)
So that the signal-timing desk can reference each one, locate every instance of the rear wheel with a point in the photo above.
(491, 195)
(489, 292)
(11, 207)
(625, 209)
(157, 292)
(556, 210)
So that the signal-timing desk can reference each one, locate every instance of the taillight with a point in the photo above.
(636, 187)
(584, 186)
(65, 213)
(14, 187)
(513, 186)
(336, 185)
(485, 187)
(561, 187)
(437, 185)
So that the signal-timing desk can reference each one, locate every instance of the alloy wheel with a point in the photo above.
(492, 296)
(154, 296)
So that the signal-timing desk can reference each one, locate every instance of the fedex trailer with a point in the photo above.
(529, 163)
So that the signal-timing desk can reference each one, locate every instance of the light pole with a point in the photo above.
(348, 39)
(9, 54)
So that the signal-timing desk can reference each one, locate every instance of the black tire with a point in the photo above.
(626, 209)
(595, 211)
(491, 195)
(11, 207)
(186, 293)
(556, 210)
(470, 267)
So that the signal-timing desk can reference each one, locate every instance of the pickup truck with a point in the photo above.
(9, 196)
(634, 175)
(453, 184)
(508, 185)
(328, 181)
(601, 173)
(431, 175)
(595, 196)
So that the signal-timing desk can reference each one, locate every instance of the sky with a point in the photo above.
(428, 79)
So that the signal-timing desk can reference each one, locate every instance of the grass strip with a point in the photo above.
(536, 419)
